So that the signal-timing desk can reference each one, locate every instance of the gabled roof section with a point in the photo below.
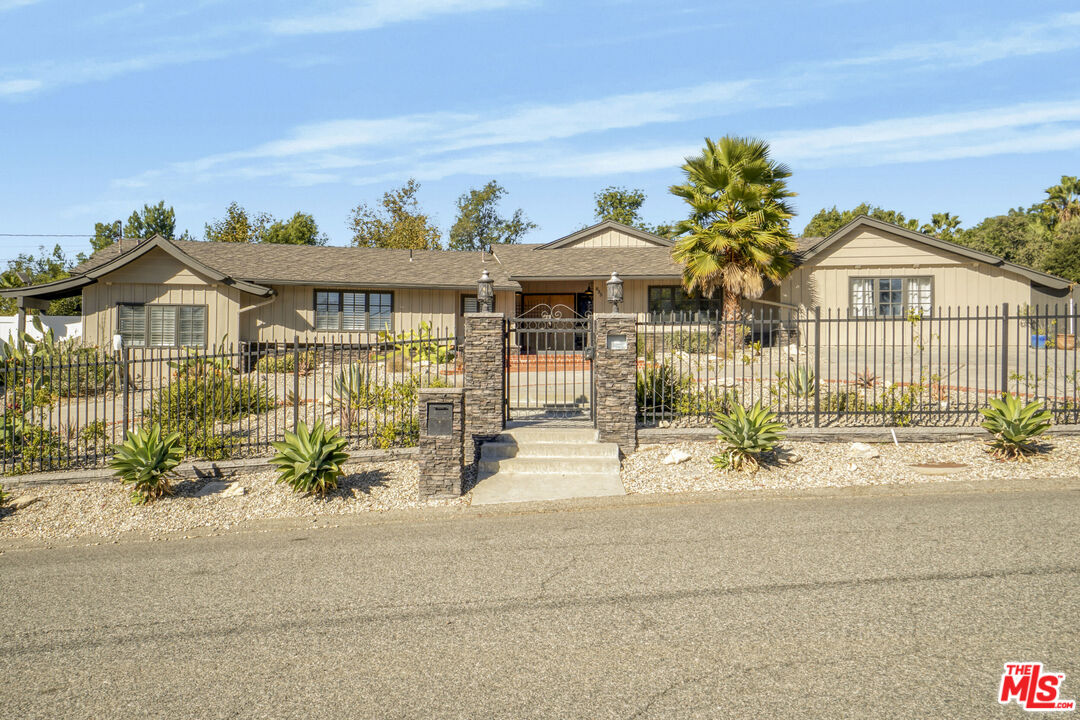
(601, 227)
(863, 221)
(90, 271)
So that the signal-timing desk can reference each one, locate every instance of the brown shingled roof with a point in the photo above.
(268, 264)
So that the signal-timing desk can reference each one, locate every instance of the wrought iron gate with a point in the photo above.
(548, 354)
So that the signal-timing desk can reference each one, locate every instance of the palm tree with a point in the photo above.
(1063, 200)
(737, 235)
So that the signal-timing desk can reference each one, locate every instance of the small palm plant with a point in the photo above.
(746, 435)
(146, 461)
(310, 461)
(1014, 425)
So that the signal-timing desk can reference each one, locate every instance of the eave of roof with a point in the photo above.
(1046, 279)
(606, 225)
(77, 282)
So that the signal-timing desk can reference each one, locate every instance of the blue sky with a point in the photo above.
(316, 106)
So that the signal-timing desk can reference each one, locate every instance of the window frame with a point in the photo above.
(466, 296)
(176, 323)
(905, 305)
(341, 292)
(704, 305)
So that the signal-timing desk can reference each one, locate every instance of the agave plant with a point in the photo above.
(310, 461)
(745, 435)
(351, 393)
(801, 383)
(146, 461)
(1014, 425)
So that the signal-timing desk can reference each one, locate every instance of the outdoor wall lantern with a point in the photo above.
(615, 291)
(485, 293)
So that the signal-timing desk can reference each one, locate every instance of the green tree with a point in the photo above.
(1062, 202)
(301, 229)
(237, 226)
(105, 234)
(826, 222)
(36, 269)
(479, 226)
(942, 225)
(151, 220)
(399, 223)
(1063, 256)
(1018, 237)
(737, 234)
(624, 206)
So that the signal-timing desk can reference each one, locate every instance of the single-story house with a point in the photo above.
(167, 293)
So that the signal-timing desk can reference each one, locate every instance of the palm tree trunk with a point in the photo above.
(731, 319)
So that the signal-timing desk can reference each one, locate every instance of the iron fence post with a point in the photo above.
(296, 383)
(125, 386)
(817, 366)
(1004, 347)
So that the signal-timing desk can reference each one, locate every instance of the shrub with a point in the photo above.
(208, 397)
(659, 391)
(1014, 425)
(146, 461)
(3, 497)
(404, 432)
(745, 435)
(93, 434)
(286, 362)
(309, 461)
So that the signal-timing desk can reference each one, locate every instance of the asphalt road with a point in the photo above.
(838, 607)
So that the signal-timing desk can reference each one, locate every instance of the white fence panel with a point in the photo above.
(63, 326)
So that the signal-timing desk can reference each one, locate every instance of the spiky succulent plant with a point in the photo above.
(146, 460)
(745, 435)
(1014, 425)
(310, 460)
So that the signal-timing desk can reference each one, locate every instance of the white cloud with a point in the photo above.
(18, 87)
(1054, 34)
(6, 5)
(372, 14)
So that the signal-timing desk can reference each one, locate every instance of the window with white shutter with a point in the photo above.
(349, 311)
(162, 325)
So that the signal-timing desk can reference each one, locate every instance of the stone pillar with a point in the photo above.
(615, 373)
(442, 438)
(485, 374)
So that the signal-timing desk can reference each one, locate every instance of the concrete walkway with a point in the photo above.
(547, 463)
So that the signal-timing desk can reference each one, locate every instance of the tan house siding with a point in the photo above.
(157, 278)
(957, 281)
(609, 238)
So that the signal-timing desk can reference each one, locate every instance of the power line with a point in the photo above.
(39, 234)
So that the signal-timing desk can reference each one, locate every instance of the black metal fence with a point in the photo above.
(66, 406)
(819, 368)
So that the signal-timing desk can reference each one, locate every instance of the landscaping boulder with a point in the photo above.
(24, 501)
(675, 457)
(863, 451)
(234, 490)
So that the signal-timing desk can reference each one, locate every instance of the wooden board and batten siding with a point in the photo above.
(611, 237)
(958, 282)
(157, 278)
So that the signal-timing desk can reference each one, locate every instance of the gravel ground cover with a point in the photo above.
(834, 465)
(103, 508)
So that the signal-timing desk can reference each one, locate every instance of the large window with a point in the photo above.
(891, 297)
(671, 301)
(348, 311)
(162, 325)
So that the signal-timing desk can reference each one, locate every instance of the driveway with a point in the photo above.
(903, 603)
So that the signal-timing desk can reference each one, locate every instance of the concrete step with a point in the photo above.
(502, 450)
(539, 434)
(551, 465)
(504, 487)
